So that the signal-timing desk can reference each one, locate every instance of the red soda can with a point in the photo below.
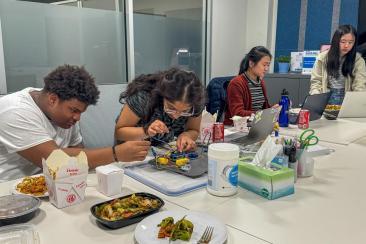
(304, 119)
(218, 132)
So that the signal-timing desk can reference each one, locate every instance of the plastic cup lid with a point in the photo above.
(22, 234)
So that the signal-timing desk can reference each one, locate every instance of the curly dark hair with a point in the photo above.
(174, 85)
(71, 81)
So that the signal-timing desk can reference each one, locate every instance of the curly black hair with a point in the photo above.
(173, 84)
(71, 81)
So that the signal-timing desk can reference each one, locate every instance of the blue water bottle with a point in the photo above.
(285, 103)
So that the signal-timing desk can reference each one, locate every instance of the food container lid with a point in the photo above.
(19, 234)
(12, 206)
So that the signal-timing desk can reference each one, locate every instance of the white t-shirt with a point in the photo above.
(24, 125)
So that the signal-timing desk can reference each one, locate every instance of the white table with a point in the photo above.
(340, 131)
(329, 207)
(75, 224)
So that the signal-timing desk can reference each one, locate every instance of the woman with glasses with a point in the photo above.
(246, 93)
(338, 70)
(163, 105)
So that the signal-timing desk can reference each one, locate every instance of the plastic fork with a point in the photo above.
(206, 236)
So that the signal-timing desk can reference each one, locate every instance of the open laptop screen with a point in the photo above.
(316, 104)
(354, 105)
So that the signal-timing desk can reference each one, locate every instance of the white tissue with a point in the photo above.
(266, 153)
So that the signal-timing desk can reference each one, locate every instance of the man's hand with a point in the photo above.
(157, 127)
(132, 150)
(185, 143)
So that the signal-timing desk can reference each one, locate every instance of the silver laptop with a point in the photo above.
(353, 106)
(262, 126)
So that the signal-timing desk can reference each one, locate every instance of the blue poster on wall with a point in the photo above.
(308, 61)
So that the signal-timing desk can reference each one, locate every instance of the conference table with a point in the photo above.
(329, 207)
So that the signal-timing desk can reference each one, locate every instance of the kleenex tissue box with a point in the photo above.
(269, 183)
(110, 179)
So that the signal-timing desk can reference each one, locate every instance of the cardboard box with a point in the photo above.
(65, 178)
(270, 184)
(110, 178)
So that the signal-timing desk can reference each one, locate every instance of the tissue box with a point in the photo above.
(65, 178)
(270, 184)
(110, 179)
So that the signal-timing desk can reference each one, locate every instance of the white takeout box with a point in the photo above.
(110, 178)
(206, 125)
(240, 123)
(65, 177)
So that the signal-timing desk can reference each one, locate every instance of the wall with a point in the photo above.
(2, 66)
(306, 24)
(236, 28)
(100, 4)
(98, 122)
(38, 37)
(161, 7)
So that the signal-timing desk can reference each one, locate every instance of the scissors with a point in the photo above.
(308, 138)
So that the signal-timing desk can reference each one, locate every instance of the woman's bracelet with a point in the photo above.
(114, 154)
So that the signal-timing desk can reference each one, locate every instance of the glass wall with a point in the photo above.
(169, 33)
(39, 37)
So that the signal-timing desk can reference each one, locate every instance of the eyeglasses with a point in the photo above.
(344, 42)
(175, 112)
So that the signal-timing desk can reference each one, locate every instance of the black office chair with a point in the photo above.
(223, 105)
(216, 91)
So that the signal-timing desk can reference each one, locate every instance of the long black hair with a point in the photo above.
(254, 55)
(333, 55)
(174, 85)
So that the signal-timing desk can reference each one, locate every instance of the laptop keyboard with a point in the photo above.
(245, 140)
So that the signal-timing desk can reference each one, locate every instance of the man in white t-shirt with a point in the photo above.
(34, 122)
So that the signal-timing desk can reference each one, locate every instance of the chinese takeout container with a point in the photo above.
(65, 177)
(240, 123)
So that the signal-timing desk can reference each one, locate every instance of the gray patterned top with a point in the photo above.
(139, 103)
(337, 83)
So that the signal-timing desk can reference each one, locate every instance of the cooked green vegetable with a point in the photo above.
(182, 230)
(166, 227)
(125, 207)
(167, 221)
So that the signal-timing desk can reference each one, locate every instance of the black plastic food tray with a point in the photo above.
(127, 221)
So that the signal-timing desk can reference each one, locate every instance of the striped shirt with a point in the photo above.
(256, 92)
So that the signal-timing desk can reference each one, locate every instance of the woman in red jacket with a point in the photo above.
(246, 93)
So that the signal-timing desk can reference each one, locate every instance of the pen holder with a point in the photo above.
(305, 166)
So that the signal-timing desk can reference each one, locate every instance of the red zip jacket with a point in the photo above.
(239, 99)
